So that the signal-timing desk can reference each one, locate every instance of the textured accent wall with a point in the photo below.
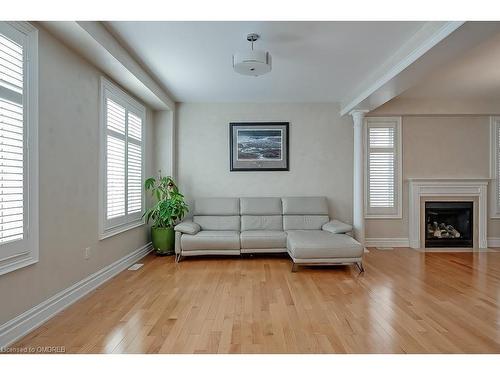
(320, 153)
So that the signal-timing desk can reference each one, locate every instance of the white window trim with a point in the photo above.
(371, 213)
(30, 108)
(121, 96)
(494, 186)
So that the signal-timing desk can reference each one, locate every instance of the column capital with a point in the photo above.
(358, 113)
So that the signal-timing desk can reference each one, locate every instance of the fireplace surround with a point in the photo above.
(422, 190)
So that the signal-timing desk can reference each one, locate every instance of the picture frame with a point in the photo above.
(259, 146)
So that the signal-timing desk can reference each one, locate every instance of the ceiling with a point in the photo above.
(312, 61)
(473, 74)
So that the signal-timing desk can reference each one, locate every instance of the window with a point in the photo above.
(18, 145)
(122, 162)
(383, 167)
(495, 167)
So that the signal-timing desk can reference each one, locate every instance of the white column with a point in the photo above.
(358, 215)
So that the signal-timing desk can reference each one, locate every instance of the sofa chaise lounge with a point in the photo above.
(299, 226)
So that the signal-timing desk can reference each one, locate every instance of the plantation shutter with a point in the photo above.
(124, 159)
(381, 167)
(12, 141)
(134, 164)
(382, 163)
(18, 145)
(115, 160)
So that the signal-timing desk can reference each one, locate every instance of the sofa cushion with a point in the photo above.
(211, 240)
(217, 206)
(263, 239)
(336, 226)
(252, 222)
(260, 206)
(313, 244)
(305, 206)
(309, 222)
(188, 227)
(218, 222)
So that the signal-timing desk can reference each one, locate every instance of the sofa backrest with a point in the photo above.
(217, 213)
(304, 212)
(244, 214)
(261, 214)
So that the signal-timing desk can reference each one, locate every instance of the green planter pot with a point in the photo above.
(163, 240)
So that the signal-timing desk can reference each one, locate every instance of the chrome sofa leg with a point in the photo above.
(360, 267)
(295, 267)
(178, 258)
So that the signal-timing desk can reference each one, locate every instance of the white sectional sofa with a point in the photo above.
(299, 226)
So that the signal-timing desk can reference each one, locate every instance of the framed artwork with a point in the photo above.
(258, 146)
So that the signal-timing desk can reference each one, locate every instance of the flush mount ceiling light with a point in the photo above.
(252, 62)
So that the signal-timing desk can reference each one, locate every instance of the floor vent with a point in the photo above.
(135, 267)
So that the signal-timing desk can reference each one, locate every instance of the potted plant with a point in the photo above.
(169, 209)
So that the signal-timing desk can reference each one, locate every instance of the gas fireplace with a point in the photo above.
(449, 224)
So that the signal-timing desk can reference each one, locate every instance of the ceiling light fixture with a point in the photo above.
(253, 62)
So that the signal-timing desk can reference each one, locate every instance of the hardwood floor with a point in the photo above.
(405, 302)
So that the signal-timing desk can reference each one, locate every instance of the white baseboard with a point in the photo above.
(404, 242)
(23, 324)
(387, 242)
(493, 241)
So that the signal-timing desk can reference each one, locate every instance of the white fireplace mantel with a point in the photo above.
(447, 187)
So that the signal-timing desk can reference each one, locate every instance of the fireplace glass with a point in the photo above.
(449, 224)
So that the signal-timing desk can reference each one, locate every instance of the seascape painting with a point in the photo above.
(260, 144)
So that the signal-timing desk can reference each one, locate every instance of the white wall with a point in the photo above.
(69, 150)
(163, 134)
(320, 153)
(452, 146)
